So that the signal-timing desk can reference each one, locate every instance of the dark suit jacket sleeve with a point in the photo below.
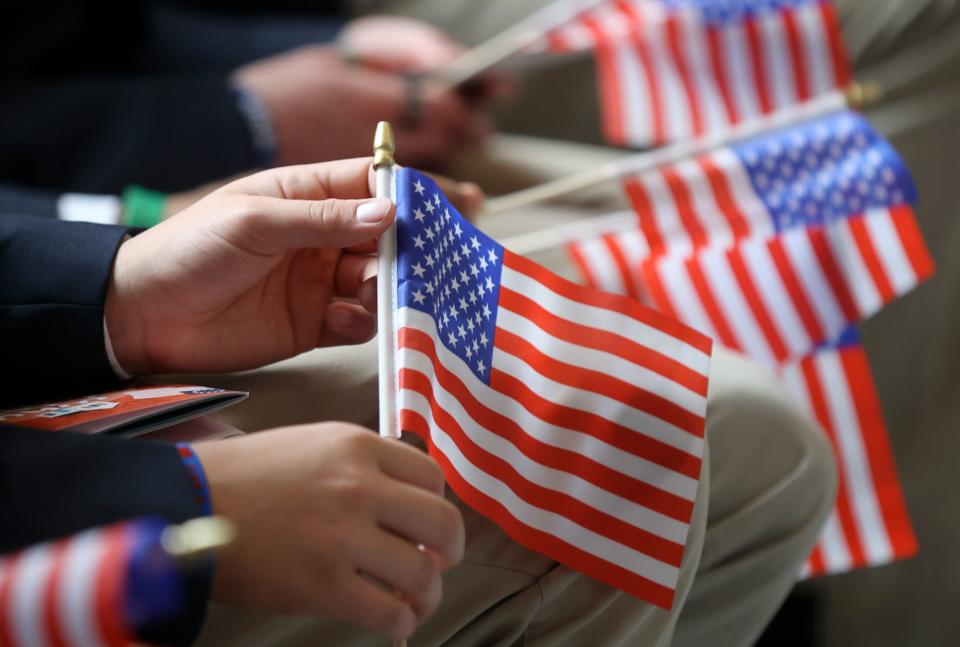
(100, 134)
(22, 201)
(53, 283)
(56, 484)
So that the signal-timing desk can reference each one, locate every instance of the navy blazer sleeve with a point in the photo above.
(53, 281)
(101, 134)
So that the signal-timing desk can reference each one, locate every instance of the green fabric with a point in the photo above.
(142, 207)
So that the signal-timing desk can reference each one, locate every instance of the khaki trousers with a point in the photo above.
(768, 483)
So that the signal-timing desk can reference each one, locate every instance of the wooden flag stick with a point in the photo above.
(855, 96)
(510, 41)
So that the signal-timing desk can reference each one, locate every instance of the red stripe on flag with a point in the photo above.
(756, 304)
(630, 286)
(559, 503)
(912, 240)
(724, 196)
(639, 42)
(794, 39)
(599, 383)
(719, 65)
(816, 563)
(632, 441)
(797, 294)
(109, 586)
(608, 78)
(861, 237)
(717, 318)
(8, 578)
(844, 512)
(561, 459)
(52, 619)
(583, 266)
(821, 247)
(646, 214)
(542, 542)
(755, 45)
(842, 72)
(883, 469)
(681, 197)
(556, 42)
(686, 79)
(602, 340)
(624, 306)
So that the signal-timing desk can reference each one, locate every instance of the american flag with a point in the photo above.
(869, 524)
(772, 246)
(776, 247)
(674, 69)
(572, 418)
(93, 589)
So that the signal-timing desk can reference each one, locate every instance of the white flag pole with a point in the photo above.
(383, 165)
(512, 40)
(854, 96)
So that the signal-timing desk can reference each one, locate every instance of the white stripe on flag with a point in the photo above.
(806, 267)
(563, 482)
(742, 192)
(601, 362)
(704, 203)
(600, 405)
(694, 45)
(676, 109)
(683, 296)
(726, 292)
(665, 213)
(603, 268)
(26, 597)
(549, 522)
(634, 84)
(740, 68)
(892, 255)
(75, 597)
(778, 68)
(602, 318)
(816, 48)
(776, 299)
(853, 457)
(855, 272)
(561, 437)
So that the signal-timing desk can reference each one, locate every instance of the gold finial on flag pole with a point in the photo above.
(197, 538)
(863, 95)
(384, 146)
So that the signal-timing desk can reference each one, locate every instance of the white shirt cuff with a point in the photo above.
(83, 207)
(111, 356)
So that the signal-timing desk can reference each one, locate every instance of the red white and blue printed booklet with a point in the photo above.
(129, 413)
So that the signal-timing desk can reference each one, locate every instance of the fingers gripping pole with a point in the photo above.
(383, 165)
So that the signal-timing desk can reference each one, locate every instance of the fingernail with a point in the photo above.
(373, 211)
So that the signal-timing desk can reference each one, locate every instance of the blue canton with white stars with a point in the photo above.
(824, 170)
(723, 12)
(448, 269)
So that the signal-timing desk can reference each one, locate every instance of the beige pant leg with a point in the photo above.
(769, 481)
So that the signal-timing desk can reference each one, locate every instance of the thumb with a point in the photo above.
(300, 224)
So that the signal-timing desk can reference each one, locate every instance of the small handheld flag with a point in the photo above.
(572, 418)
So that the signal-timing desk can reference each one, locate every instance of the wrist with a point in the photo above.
(123, 319)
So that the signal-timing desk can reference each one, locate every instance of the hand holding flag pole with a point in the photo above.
(855, 96)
